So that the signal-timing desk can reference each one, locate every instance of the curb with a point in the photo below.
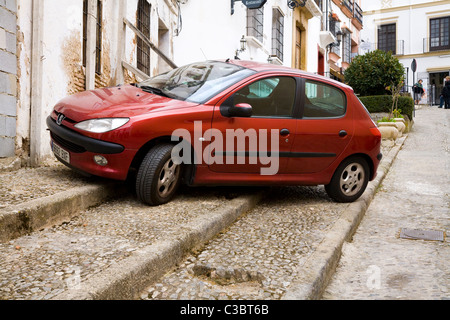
(129, 277)
(318, 269)
(37, 214)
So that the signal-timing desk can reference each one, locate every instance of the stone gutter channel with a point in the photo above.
(127, 277)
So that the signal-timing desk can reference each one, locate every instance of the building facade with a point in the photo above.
(8, 77)
(412, 30)
(66, 46)
(227, 29)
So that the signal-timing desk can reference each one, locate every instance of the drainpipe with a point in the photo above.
(36, 111)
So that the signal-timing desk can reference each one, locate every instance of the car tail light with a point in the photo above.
(375, 132)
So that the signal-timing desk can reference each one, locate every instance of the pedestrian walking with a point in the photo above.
(441, 96)
(418, 91)
(446, 94)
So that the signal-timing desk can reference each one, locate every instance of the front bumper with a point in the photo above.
(82, 150)
(89, 144)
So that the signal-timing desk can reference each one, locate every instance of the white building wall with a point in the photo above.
(211, 32)
(62, 72)
(412, 19)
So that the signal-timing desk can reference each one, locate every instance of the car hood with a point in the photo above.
(122, 101)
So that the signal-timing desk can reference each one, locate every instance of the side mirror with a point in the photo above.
(241, 110)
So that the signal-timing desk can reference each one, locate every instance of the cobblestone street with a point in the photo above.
(257, 257)
(378, 264)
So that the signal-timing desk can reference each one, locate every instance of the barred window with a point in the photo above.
(85, 15)
(335, 27)
(440, 34)
(277, 34)
(387, 38)
(255, 23)
(98, 35)
(347, 47)
(143, 25)
(98, 42)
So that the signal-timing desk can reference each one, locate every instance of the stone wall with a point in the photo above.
(8, 77)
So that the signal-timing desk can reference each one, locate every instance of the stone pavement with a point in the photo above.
(378, 263)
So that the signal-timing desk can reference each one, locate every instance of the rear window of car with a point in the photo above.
(323, 101)
(197, 82)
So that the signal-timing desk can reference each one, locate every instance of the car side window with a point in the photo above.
(323, 101)
(269, 97)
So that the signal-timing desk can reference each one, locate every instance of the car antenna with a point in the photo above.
(228, 60)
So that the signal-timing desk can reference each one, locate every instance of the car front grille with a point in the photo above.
(69, 146)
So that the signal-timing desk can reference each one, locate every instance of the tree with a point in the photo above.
(371, 73)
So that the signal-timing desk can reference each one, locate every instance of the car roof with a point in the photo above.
(262, 67)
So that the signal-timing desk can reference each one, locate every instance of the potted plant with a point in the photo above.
(395, 120)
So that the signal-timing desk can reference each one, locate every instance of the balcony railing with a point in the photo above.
(399, 49)
(354, 8)
(358, 13)
(432, 45)
(348, 4)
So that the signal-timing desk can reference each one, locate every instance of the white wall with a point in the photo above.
(62, 71)
(211, 32)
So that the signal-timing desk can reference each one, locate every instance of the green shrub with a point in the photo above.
(384, 103)
(371, 73)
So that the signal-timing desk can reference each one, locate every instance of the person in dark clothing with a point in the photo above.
(418, 91)
(446, 94)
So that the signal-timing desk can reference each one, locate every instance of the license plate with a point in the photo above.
(61, 153)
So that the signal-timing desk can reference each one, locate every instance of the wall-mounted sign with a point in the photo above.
(254, 4)
(251, 4)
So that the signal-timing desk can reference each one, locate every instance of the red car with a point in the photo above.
(221, 123)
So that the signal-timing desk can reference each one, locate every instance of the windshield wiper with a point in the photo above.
(154, 91)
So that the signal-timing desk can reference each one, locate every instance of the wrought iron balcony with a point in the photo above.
(435, 44)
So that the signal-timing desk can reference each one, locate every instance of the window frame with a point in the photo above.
(303, 104)
(441, 21)
(385, 43)
(255, 23)
(347, 47)
(98, 36)
(143, 49)
(98, 42)
(277, 33)
(296, 101)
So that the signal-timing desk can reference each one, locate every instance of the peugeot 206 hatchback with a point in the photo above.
(221, 123)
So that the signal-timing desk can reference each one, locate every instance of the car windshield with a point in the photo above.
(197, 82)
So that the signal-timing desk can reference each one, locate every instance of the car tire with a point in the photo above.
(158, 177)
(349, 181)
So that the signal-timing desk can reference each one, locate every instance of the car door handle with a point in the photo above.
(284, 132)
(342, 133)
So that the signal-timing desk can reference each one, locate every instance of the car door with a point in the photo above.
(324, 129)
(259, 143)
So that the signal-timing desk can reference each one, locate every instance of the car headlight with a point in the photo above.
(102, 125)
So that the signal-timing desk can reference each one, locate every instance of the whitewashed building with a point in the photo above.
(413, 30)
(299, 34)
(224, 29)
(66, 46)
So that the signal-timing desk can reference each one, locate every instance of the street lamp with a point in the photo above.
(339, 39)
(243, 42)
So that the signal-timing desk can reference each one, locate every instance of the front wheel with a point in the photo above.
(158, 177)
(349, 181)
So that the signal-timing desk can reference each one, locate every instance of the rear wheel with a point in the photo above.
(349, 181)
(158, 177)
